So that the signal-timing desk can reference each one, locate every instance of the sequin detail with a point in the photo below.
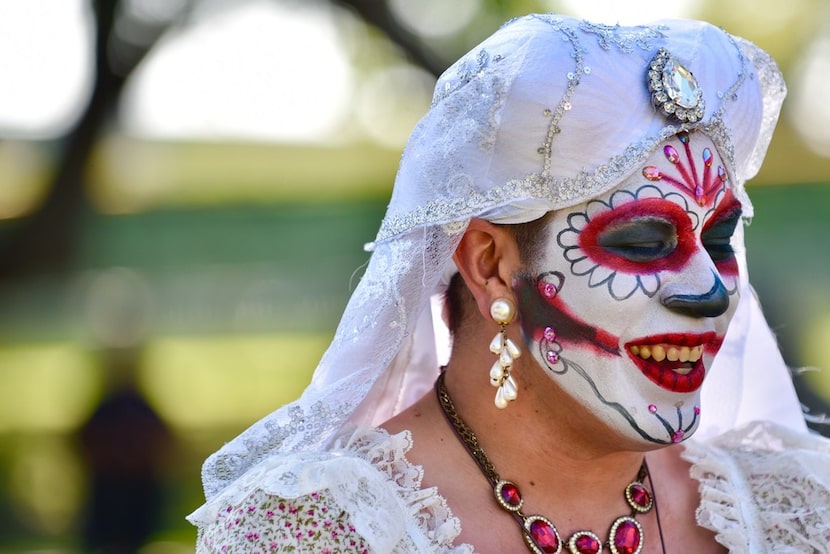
(467, 70)
(574, 78)
(229, 466)
(553, 193)
(627, 39)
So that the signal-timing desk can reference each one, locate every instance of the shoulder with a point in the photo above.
(764, 487)
(359, 495)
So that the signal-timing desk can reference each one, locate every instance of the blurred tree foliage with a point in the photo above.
(125, 31)
(44, 240)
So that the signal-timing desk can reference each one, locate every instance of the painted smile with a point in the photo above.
(673, 361)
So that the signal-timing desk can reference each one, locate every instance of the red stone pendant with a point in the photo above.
(626, 536)
(638, 497)
(584, 542)
(508, 496)
(542, 536)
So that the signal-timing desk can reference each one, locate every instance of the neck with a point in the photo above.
(564, 460)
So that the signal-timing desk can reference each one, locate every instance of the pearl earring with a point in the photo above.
(502, 311)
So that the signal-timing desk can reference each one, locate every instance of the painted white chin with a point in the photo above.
(630, 402)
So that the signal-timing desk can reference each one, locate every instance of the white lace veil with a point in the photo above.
(545, 114)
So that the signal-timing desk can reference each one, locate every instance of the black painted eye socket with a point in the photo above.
(640, 240)
(717, 238)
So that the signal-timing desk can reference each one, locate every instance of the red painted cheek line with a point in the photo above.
(538, 312)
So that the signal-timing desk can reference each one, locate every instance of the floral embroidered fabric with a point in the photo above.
(266, 523)
(763, 489)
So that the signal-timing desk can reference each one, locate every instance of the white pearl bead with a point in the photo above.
(496, 374)
(513, 349)
(502, 311)
(501, 401)
(505, 359)
(510, 390)
(497, 343)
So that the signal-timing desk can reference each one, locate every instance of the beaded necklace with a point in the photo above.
(625, 535)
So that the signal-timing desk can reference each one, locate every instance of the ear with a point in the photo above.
(487, 258)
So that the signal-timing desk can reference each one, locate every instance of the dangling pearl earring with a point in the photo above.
(502, 311)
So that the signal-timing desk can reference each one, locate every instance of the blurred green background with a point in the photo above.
(185, 190)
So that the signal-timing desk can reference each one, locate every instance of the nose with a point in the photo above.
(711, 303)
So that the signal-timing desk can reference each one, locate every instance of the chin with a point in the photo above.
(658, 423)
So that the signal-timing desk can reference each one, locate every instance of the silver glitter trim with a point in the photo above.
(624, 38)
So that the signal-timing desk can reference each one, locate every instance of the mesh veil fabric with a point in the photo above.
(546, 113)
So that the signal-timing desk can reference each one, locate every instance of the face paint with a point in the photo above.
(632, 293)
(685, 175)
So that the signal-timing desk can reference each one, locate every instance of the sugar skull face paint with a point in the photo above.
(630, 298)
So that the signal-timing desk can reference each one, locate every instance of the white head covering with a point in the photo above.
(548, 112)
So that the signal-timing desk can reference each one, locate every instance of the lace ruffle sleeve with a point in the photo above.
(764, 488)
(361, 496)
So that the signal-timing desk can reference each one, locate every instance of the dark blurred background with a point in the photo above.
(185, 190)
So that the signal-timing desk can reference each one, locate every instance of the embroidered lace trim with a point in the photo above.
(764, 488)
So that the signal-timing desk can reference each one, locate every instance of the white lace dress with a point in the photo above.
(763, 489)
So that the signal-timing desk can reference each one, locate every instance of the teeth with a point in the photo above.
(694, 355)
(660, 352)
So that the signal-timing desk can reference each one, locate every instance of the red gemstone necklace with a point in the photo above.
(542, 537)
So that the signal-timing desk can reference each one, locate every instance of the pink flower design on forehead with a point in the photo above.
(703, 189)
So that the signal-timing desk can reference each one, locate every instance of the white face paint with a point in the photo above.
(632, 292)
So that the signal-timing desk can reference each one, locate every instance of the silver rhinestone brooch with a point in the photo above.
(674, 90)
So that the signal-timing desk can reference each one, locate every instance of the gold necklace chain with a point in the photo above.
(540, 534)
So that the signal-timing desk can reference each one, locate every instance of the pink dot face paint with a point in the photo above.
(629, 300)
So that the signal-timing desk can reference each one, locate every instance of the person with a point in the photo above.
(126, 447)
(522, 365)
